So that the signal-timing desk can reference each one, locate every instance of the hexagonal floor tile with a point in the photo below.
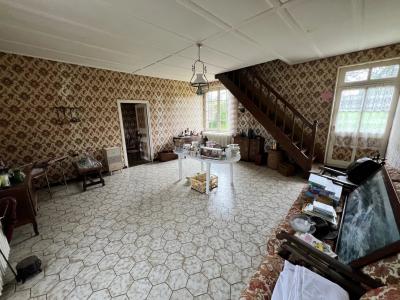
(181, 294)
(140, 270)
(231, 273)
(211, 269)
(158, 274)
(219, 289)
(139, 289)
(102, 280)
(197, 284)
(205, 253)
(177, 279)
(192, 265)
(174, 261)
(124, 266)
(160, 292)
(120, 285)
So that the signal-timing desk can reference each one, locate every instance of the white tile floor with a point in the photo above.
(146, 235)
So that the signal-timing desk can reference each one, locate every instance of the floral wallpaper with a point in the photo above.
(310, 87)
(31, 88)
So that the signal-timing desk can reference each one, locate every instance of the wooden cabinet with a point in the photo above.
(249, 148)
(243, 143)
(26, 198)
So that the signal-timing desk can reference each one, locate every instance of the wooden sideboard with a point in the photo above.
(26, 199)
(249, 148)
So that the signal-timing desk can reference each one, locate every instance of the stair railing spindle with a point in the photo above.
(292, 128)
(284, 118)
(302, 135)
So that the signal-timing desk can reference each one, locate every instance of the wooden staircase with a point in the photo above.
(295, 134)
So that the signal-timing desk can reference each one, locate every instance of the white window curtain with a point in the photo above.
(362, 117)
(233, 113)
(212, 105)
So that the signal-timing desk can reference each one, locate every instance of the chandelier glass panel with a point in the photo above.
(199, 79)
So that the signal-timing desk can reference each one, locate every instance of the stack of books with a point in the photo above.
(324, 189)
(324, 195)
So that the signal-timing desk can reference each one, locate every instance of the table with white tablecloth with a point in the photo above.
(208, 161)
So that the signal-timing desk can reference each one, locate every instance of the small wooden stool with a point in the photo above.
(85, 173)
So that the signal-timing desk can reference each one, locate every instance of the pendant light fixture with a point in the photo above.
(199, 79)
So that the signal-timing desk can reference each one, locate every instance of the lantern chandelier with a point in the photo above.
(199, 79)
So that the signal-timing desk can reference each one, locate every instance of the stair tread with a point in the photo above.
(277, 115)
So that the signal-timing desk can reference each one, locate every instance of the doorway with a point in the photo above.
(134, 118)
(366, 98)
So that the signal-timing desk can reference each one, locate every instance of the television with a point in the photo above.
(370, 224)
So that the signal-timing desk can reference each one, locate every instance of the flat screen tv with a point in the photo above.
(370, 225)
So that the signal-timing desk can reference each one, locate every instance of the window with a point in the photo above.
(365, 102)
(219, 111)
(366, 98)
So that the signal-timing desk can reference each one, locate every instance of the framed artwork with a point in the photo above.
(370, 225)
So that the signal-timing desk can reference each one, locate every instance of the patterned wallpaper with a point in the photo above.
(310, 85)
(30, 88)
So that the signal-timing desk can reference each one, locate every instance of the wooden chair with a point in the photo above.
(299, 252)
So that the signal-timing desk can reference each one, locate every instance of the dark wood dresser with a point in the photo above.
(26, 198)
(249, 148)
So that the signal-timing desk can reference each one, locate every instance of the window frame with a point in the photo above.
(341, 85)
(218, 129)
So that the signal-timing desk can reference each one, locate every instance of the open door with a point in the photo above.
(135, 131)
(143, 129)
(365, 102)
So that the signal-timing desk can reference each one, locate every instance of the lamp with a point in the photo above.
(199, 79)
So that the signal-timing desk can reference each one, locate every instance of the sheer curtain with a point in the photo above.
(362, 118)
(232, 113)
(220, 113)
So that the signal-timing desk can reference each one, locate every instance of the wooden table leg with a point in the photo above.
(35, 227)
(101, 178)
(84, 183)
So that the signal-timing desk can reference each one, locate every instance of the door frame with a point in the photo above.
(121, 125)
(340, 87)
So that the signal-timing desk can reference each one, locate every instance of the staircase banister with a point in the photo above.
(277, 95)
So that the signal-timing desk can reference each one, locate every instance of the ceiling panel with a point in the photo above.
(30, 50)
(164, 71)
(75, 33)
(158, 37)
(382, 22)
(234, 11)
(240, 48)
(271, 32)
(38, 39)
(211, 56)
(106, 18)
(186, 64)
(313, 15)
(329, 24)
(169, 15)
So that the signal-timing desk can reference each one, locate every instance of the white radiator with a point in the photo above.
(220, 138)
(113, 158)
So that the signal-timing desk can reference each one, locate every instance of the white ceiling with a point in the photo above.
(157, 37)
